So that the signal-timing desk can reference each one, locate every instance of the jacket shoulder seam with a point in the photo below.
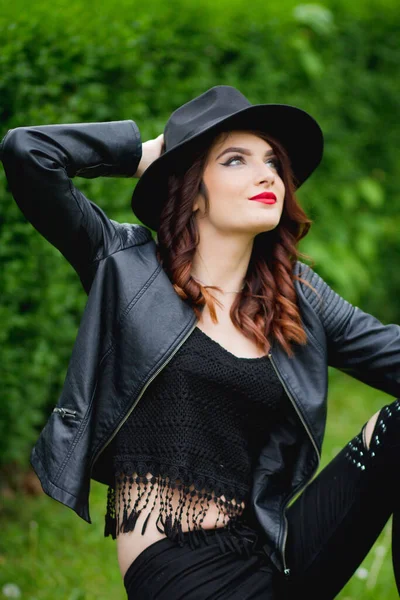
(326, 301)
(140, 236)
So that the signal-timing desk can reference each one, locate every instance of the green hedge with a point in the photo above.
(65, 62)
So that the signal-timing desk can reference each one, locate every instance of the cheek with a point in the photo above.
(281, 186)
(224, 189)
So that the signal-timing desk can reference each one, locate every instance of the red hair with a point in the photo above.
(267, 306)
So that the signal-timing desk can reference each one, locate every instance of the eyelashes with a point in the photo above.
(272, 159)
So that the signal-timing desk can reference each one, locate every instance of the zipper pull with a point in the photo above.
(287, 572)
(65, 412)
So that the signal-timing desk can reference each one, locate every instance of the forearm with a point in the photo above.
(109, 149)
(39, 163)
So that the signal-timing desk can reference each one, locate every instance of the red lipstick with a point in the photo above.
(265, 197)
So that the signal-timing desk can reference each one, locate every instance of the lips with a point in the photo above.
(266, 197)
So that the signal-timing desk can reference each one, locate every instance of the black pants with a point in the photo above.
(332, 527)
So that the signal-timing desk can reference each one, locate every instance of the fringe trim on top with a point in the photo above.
(191, 499)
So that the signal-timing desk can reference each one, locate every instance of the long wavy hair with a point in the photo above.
(267, 306)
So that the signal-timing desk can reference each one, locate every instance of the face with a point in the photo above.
(238, 167)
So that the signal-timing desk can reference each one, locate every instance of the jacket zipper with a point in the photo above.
(296, 491)
(141, 394)
(286, 569)
(65, 412)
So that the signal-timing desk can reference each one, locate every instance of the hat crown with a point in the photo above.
(198, 114)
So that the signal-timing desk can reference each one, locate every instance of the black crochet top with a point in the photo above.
(203, 420)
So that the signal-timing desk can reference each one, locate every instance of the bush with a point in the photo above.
(69, 64)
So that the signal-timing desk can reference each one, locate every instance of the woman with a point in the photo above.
(196, 388)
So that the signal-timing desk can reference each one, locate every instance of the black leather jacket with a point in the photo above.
(134, 322)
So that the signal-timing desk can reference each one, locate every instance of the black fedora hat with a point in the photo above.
(224, 108)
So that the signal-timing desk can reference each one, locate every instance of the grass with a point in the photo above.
(46, 551)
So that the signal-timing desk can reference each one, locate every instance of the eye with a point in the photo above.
(271, 160)
(233, 158)
(274, 163)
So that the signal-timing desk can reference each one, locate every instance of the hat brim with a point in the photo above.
(295, 129)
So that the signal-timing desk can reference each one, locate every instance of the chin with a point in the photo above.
(268, 226)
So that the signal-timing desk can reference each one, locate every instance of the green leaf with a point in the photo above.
(371, 191)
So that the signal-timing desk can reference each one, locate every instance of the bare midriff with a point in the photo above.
(131, 544)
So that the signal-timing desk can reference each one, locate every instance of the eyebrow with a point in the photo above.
(242, 151)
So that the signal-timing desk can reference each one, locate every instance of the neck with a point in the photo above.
(221, 262)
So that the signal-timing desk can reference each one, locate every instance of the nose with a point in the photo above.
(265, 174)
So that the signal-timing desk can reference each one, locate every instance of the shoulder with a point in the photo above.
(132, 234)
(307, 282)
(313, 291)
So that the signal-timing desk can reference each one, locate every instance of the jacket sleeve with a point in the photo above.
(39, 163)
(357, 342)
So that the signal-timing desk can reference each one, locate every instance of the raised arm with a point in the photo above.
(39, 163)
